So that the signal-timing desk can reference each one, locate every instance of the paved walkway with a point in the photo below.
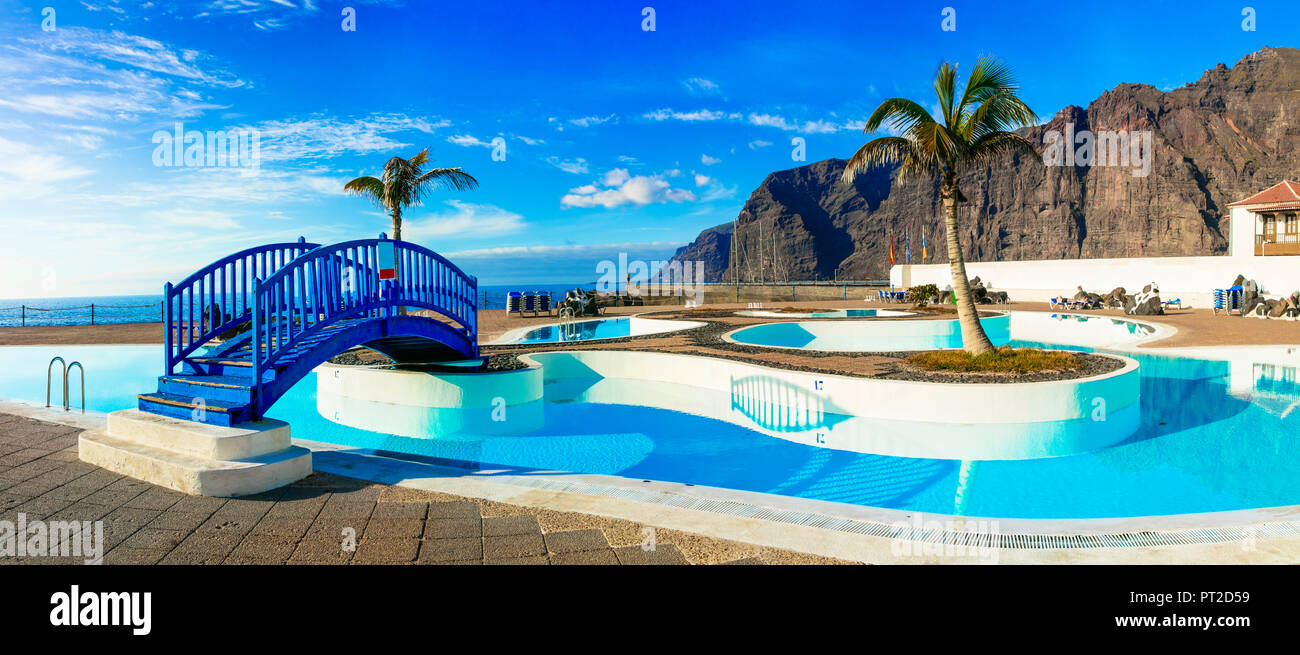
(309, 522)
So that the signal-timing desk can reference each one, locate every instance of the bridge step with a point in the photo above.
(182, 407)
(227, 389)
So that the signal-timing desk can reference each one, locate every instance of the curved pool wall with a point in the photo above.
(838, 313)
(399, 401)
(593, 329)
(1082, 330)
(882, 417)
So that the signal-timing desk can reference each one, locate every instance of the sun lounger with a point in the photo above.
(1227, 300)
(514, 303)
(1174, 302)
(544, 302)
(530, 303)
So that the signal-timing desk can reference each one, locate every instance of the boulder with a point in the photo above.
(1115, 298)
(1241, 279)
(1146, 303)
(998, 297)
(1277, 308)
(1250, 297)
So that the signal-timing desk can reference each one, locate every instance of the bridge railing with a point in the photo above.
(218, 297)
(341, 281)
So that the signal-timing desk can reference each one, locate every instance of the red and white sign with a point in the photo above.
(387, 260)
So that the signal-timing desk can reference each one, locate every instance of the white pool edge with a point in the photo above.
(512, 336)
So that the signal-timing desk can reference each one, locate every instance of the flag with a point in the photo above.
(923, 257)
(909, 247)
(891, 250)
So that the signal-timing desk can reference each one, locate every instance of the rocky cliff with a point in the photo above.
(1230, 134)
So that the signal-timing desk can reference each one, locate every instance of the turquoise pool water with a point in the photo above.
(1213, 436)
(599, 328)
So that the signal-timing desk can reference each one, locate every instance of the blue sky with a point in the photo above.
(616, 139)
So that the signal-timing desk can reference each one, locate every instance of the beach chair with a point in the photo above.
(1056, 302)
(544, 302)
(514, 303)
(530, 303)
(1174, 302)
(1227, 300)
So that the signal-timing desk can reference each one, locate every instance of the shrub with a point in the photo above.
(1000, 360)
(923, 293)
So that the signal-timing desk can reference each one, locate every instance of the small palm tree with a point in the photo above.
(976, 126)
(405, 183)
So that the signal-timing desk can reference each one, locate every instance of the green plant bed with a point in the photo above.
(1001, 360)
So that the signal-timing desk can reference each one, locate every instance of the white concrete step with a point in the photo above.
(192, 474)
(199, 439)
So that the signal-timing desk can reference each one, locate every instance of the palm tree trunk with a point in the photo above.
(973, 338)
(397, 226)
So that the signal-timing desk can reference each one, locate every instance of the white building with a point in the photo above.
(1263, 245)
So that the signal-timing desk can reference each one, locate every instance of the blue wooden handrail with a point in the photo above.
(341, 281)
(222, 290)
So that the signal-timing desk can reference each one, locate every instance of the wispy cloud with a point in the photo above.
(698, 86)
(575, 166)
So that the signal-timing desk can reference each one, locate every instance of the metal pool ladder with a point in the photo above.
(67, 370)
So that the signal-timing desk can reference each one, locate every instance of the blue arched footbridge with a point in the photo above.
(243, 329)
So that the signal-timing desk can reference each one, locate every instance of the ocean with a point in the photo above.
(77, 311)
(110, 310)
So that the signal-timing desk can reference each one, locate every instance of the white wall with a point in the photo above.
(1193, 279)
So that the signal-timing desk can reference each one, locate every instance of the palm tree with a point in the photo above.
(976, 127)
(405, 183)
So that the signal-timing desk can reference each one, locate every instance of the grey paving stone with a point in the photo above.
(386, 550)
(662, 554)
(451, 550)
(574, 541)
(501, 526)
(453, 528)
(518, 545)
(454, 510)
(586, 557)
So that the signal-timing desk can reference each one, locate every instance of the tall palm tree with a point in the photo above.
(405, 182)
(976, 125)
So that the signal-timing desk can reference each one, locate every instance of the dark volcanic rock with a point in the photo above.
(1220, 139)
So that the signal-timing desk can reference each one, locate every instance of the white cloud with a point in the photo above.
(759, 143)
(26, 171)
(467, 140)
(617, 188)
(326, 137)
(699, 115)
(701, 180)
(576, 166)
(588, 121)
(465, 220)
(206, 219)
(709, 161)
(698, 86)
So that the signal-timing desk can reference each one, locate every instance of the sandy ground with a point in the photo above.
(1196, 327)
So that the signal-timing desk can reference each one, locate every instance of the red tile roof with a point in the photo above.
(1283, 195)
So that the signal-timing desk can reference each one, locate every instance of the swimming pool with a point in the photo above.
(592, 329)
(923, 334)
(838, 313)
(1213, 435)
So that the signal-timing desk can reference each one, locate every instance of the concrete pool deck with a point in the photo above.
(303, 523)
